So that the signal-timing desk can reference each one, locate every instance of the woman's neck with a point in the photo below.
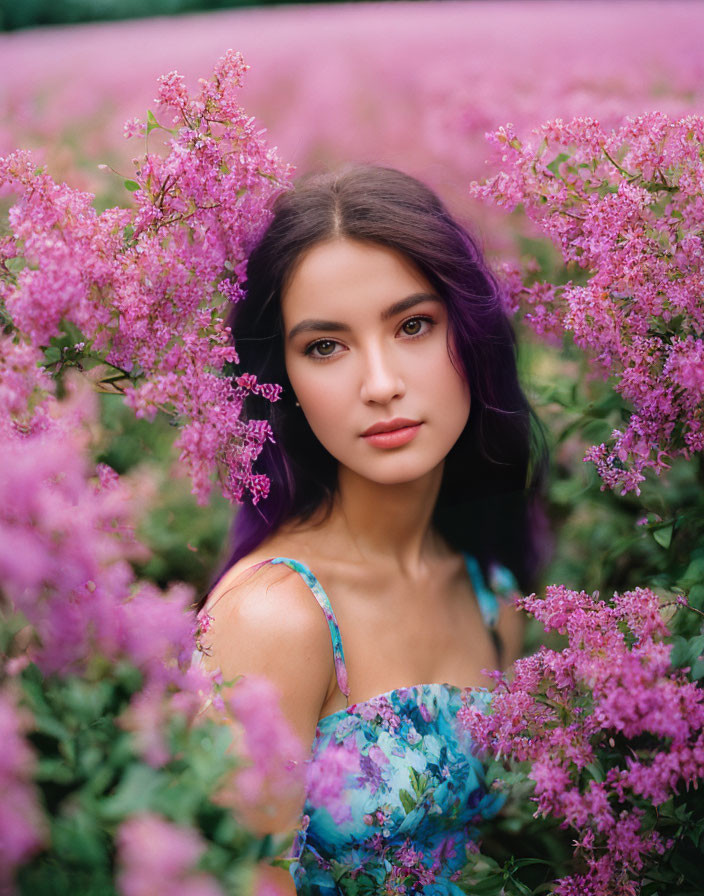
(386, 523)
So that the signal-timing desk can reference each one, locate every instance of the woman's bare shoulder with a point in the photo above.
(264, 619)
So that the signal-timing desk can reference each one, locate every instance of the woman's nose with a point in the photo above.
(381, 380)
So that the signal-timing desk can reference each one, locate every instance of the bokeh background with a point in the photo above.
(412, 84)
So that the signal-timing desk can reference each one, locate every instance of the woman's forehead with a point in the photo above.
(343, 277)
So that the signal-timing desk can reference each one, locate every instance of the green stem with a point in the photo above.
(619, 167)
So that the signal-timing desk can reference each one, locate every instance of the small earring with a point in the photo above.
(298, 404)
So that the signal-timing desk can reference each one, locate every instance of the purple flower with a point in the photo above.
(156, 856)
(562, 711)
(22, 826)
(327, 780)
(639, 315)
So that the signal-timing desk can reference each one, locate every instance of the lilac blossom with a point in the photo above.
(626, 206)
(22, 828)
(157, 856)
(325, 783)
(564, 712)
(149, 288)
(274, 754)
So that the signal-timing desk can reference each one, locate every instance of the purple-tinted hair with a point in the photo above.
(489, 501)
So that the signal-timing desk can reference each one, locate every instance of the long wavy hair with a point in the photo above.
(489, 503)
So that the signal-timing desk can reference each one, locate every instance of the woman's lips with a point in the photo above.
(393, 438)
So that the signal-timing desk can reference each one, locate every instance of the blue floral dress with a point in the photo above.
(395, 792)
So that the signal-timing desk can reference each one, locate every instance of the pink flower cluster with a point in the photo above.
(66, 537)
(326, 777)
(331, 86)
(607, 710)
(275, 754)
(21, 823)
(149, 288)
(156, 856)
(136, 299)
(626, 205)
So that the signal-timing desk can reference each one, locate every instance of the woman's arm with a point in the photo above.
(270, 625)
(275, 877)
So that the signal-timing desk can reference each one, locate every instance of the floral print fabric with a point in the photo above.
(396, 792)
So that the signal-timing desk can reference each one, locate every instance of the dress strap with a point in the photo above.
(502, 587)
(488, 601)
(324, 602)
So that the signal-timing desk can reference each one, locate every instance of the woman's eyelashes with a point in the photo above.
(412, 328)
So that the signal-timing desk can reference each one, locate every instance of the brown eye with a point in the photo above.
(412, 327)
(325, 348)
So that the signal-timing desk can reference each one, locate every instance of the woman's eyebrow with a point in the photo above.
(316, 324)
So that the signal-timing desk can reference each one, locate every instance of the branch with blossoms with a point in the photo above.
(613, 731)
(624, 206)
(113, 781)
(606, 725)
(137, 297)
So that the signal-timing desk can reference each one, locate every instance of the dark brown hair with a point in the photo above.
(489, 502)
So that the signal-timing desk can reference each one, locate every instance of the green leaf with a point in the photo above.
(152, 123)
(663, 535)
(134, 793)
(79, 839)
(53, 770)
(695, 596)
(556, 162)
(596, 771)
(696, 647)
(132, 185)
(52, 355)
(45, 723)
(694, 574)
(407, 801)
(686, 651)
(492, 885)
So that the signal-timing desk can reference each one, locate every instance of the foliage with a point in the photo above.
(605, 724)
(44, 12)
(627, 206)
(612, 729)
(184, 539)
(113, 781)
(138, 296)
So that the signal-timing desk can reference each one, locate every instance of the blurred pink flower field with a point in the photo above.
(415, 85)
(100, 700)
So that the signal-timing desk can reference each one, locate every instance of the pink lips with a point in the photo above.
(392, 433)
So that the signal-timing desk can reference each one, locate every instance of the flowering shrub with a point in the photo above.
(610, 724)
(98, 697)
(626, 206)
(142, 293)
(613, 733)
(112, 781)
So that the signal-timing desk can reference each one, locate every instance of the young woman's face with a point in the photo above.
(366, 348)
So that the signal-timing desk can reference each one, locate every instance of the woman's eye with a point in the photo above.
(322, 349)
(328, 348)
(414, 326)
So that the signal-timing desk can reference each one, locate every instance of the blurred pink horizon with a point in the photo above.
(414, 85)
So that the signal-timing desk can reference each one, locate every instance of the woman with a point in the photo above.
(403, 480)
